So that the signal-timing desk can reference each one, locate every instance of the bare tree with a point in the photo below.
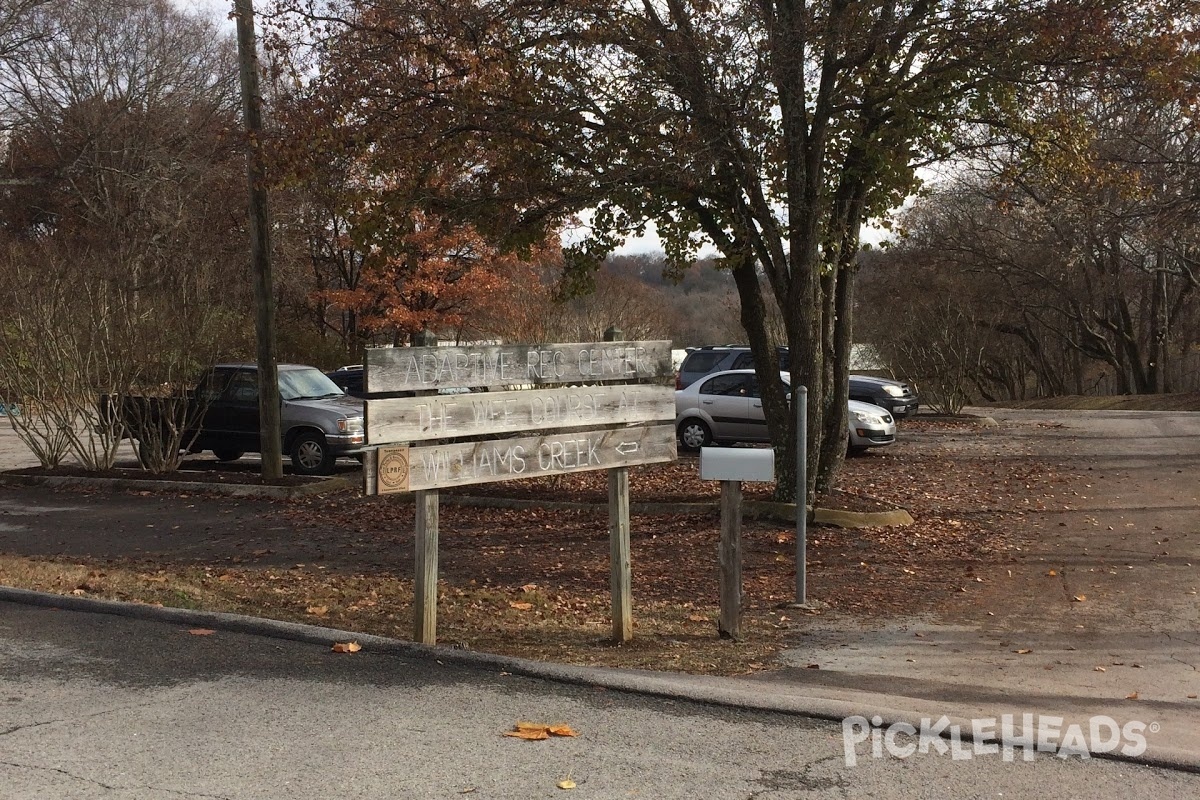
(120, 155)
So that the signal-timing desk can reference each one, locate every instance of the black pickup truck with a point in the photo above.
(318, 420)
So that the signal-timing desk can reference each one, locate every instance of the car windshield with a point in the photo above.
(306, 384)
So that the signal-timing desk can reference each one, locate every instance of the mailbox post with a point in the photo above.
(732, 467)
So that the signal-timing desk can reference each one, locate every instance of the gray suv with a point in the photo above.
(319, 422)
(896, 397)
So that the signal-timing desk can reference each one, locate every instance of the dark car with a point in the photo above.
(349, 379)
(318, 421)
(896, 397)
(712, 358)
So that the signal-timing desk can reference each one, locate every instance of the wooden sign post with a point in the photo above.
(620, 560)
(731, 467)
(426, 571)
(477, 418)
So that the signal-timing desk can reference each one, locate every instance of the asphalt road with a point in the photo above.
(94, 706)
(1105, 570)
(1095, 603)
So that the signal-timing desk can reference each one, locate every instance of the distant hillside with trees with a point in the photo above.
(700, 305)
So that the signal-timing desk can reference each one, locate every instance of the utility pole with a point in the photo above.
(260, 245)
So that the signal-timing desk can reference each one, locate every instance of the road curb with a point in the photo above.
(722, 692)
(196, 487)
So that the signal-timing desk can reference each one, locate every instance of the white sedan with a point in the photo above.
(725, 407)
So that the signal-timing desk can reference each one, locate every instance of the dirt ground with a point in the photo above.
(535, 582)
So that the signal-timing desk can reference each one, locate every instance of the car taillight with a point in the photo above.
(678, 382)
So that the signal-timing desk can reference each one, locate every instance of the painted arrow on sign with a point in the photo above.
(625, 448)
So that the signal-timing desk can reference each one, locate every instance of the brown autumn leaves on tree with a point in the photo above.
(771, 131)
(392, 252)
(430, 154)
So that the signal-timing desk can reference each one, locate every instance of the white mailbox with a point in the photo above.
(737, 464)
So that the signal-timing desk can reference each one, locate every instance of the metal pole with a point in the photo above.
(800, 401)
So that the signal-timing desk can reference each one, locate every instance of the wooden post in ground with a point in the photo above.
(426, 573)
(730, 558)
(621, 565)
(370, 464)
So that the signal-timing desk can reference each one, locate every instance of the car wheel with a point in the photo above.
(228, 455)
(694, 434)
(310, 454)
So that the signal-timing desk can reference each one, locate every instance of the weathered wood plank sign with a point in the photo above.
(492, 366)
(438, 466)
(418, 419)
(434, 441)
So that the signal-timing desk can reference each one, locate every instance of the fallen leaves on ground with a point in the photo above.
(530, 736)
(537, 731)
(201, 632)
(346, 647)
(969, 513)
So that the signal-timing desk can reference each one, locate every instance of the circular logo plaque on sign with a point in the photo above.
(393, 470)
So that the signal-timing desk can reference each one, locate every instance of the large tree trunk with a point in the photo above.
(833, 452)
(776, 408)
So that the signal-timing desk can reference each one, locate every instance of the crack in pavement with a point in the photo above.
(1181, 661)
(111, 787)
(1185, 641)
(27, 726)
(16, 728)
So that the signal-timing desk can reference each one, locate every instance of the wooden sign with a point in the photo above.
(615, 420)
(416, 419)
(441, 465)
(493, 366)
